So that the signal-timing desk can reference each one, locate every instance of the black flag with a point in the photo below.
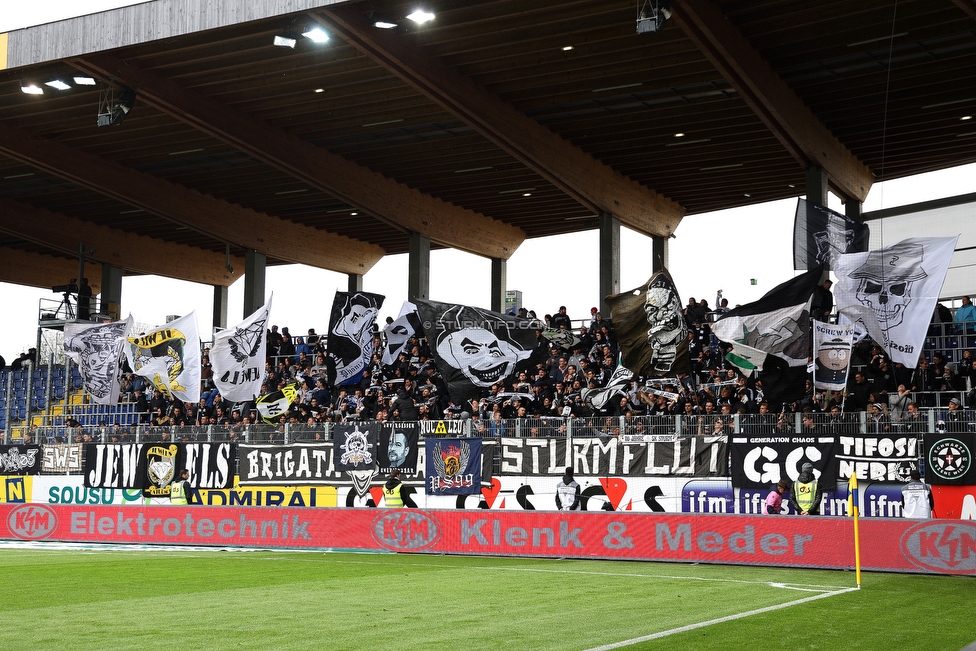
(820, 234)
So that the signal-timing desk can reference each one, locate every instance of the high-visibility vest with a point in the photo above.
(392, 497)
(177, 493)
(805, 494)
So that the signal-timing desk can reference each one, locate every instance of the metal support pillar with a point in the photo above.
(659, 253)
(355, 283)
(609, 259)
(418, 267)
(220, 307)
(255, 264)
(817, 185)
(499, 283)
(110, 302)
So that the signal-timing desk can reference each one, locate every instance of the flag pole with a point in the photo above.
(852, 506)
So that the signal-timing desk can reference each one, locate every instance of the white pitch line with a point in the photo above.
(720, 620)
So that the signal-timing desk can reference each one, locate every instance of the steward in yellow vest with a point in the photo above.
(179, 489)
(391, 491)
(806, 493)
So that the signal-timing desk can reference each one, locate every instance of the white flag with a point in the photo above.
(399, 332)
(96, 349)
(831, 355)
(238, 356)
(169, 357)
(893, 291)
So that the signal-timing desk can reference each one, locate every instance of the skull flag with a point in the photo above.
(650, 327)
(351, 335)
(820, 235)
(892, 292)
(96, 349)
(475, 348)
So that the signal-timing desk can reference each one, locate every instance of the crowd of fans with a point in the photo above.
(412, 389)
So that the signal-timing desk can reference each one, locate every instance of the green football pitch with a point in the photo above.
(99, 598)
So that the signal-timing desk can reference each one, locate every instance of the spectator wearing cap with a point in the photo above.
(561, 320)
(955, 417)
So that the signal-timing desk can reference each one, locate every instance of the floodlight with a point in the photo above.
(382, 24)
(112, 112)
(420, 16)
(316, 35)
(652, 16)
(30, 88)
(84, 81)
(286, 39)
(57, 84)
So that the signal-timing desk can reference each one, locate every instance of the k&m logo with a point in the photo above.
(405, 531)
(942, 547)
(32, 522)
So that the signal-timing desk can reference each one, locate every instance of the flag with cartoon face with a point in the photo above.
(476, 348)
(238, 356)
(350, 344)
(400, 332)
(97, 350)
(892, 292)
(650, 327)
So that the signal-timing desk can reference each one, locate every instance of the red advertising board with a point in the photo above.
(930, 546)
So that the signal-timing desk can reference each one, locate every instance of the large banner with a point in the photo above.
(356, 444)
(398, 333)
(831, 355)
(453, 466)
(821, 234)
(97, 350)
(878, 458)
(761, 461)
(151, 467)
(399, 445)
(949, 459)
(927, 546)
(238, 356)
(20, 459)
(694, 457)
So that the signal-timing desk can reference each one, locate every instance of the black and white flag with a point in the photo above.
(356, 445)
(20, 459)
(892, 292)
(97, 350)
(651, 328)
(821, 234)
(272, 406)
(350, 344)
(778, 324)
(400, 332)
(238, 357)
(618, 383)
(169, 357)
(476, 348)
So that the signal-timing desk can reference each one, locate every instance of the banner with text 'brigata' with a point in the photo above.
(153, 466)
(761, 461)
(693, 457)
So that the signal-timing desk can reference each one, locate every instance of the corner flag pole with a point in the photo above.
(852, 508)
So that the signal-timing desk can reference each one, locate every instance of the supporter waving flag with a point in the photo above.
(272, 406)
(350, 345)
(169, 357)
(400, 332)
(476, 348)
(892, 292)
(778, 325)
(97, 350)
(650, 327)
(238, 357)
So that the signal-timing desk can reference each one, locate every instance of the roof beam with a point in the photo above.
(219, 219)
(394, 203)
(590, 182)
(780, 109)
(969, 6)
(38, 270)
(124, 250)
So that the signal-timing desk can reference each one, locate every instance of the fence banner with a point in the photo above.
(881, 458)
(61, 457)
(20, 459)
(762, 460)
(926, 546)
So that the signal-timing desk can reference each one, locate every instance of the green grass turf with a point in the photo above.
(71, 599)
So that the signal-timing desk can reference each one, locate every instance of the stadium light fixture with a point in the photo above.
(420, 16)
(382, 24)
(286, 39)
(112, 111)
(316, 35)
(82, 80)
(30, 88)
(57, 84)
(651, 16)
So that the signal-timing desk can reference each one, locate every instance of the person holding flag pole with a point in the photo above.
(853, 509)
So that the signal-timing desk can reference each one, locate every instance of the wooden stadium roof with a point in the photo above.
(498, 120)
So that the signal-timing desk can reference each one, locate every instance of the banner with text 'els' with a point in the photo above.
(926, 546)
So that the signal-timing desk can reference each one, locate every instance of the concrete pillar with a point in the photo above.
(355, 283)
(855, 210)
(255, 264)
(220, 307)
(659, 253)
(609, 259)
(499, 283)
(110, 302)
(817, 185)
(418, 267)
